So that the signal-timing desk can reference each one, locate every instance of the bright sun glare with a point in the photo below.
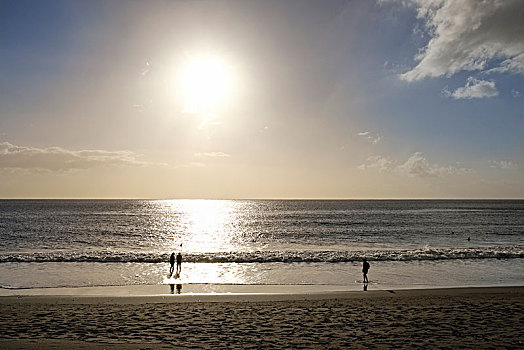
(205, 83)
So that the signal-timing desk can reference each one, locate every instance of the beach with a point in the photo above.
(488, 317)
(261, 274)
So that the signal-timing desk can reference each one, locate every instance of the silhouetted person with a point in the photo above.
(178, 263)
(172, 262)
(178, 288)
(172, 287)
(365, 269)
(365, 287)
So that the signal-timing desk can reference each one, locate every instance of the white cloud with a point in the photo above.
(370, 137)
(382, 164)
(60, 159)
(514, 65)
(502, 164)
(213, 154)
(469, 35)
(418, 166)
(515, 93)
(474, 88)
(415, 166)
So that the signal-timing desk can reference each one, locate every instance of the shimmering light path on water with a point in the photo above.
(81, 243)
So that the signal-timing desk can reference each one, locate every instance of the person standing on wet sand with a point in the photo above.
(178, 263)
(365, 269)
(172, 262)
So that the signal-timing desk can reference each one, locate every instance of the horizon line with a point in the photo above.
(265, 198)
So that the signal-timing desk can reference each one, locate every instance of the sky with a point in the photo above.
(262, 99)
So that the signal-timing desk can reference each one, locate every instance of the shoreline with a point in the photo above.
(152, 294)
(24, 278)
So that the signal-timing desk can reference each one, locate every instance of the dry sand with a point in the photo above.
(437, 318)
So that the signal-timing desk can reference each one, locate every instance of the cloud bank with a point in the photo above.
(415, 166)
(469, 35)
(60, 160)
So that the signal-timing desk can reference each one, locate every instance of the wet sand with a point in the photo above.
(432, 318)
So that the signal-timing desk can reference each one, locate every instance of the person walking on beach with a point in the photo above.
(365, 269)
(172, 262)
(178, 263)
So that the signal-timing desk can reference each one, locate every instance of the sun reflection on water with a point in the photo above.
(201, 226)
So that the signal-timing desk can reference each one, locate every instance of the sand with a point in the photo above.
(434, 318)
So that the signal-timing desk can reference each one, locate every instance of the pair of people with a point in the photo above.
(178, 263)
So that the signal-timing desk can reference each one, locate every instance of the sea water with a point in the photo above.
(409, 243)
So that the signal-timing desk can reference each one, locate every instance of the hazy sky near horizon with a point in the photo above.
(262, 99)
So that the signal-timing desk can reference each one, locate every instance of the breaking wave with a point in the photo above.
(424, 254)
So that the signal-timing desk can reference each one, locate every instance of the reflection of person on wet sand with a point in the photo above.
(178, 263)
(172, 262)
(365, 269)
(178, 288)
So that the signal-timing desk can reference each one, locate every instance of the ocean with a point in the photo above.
(409, 243)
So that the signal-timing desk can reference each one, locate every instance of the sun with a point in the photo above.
(204, 83)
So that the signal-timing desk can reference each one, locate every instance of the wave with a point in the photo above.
(424, 254)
